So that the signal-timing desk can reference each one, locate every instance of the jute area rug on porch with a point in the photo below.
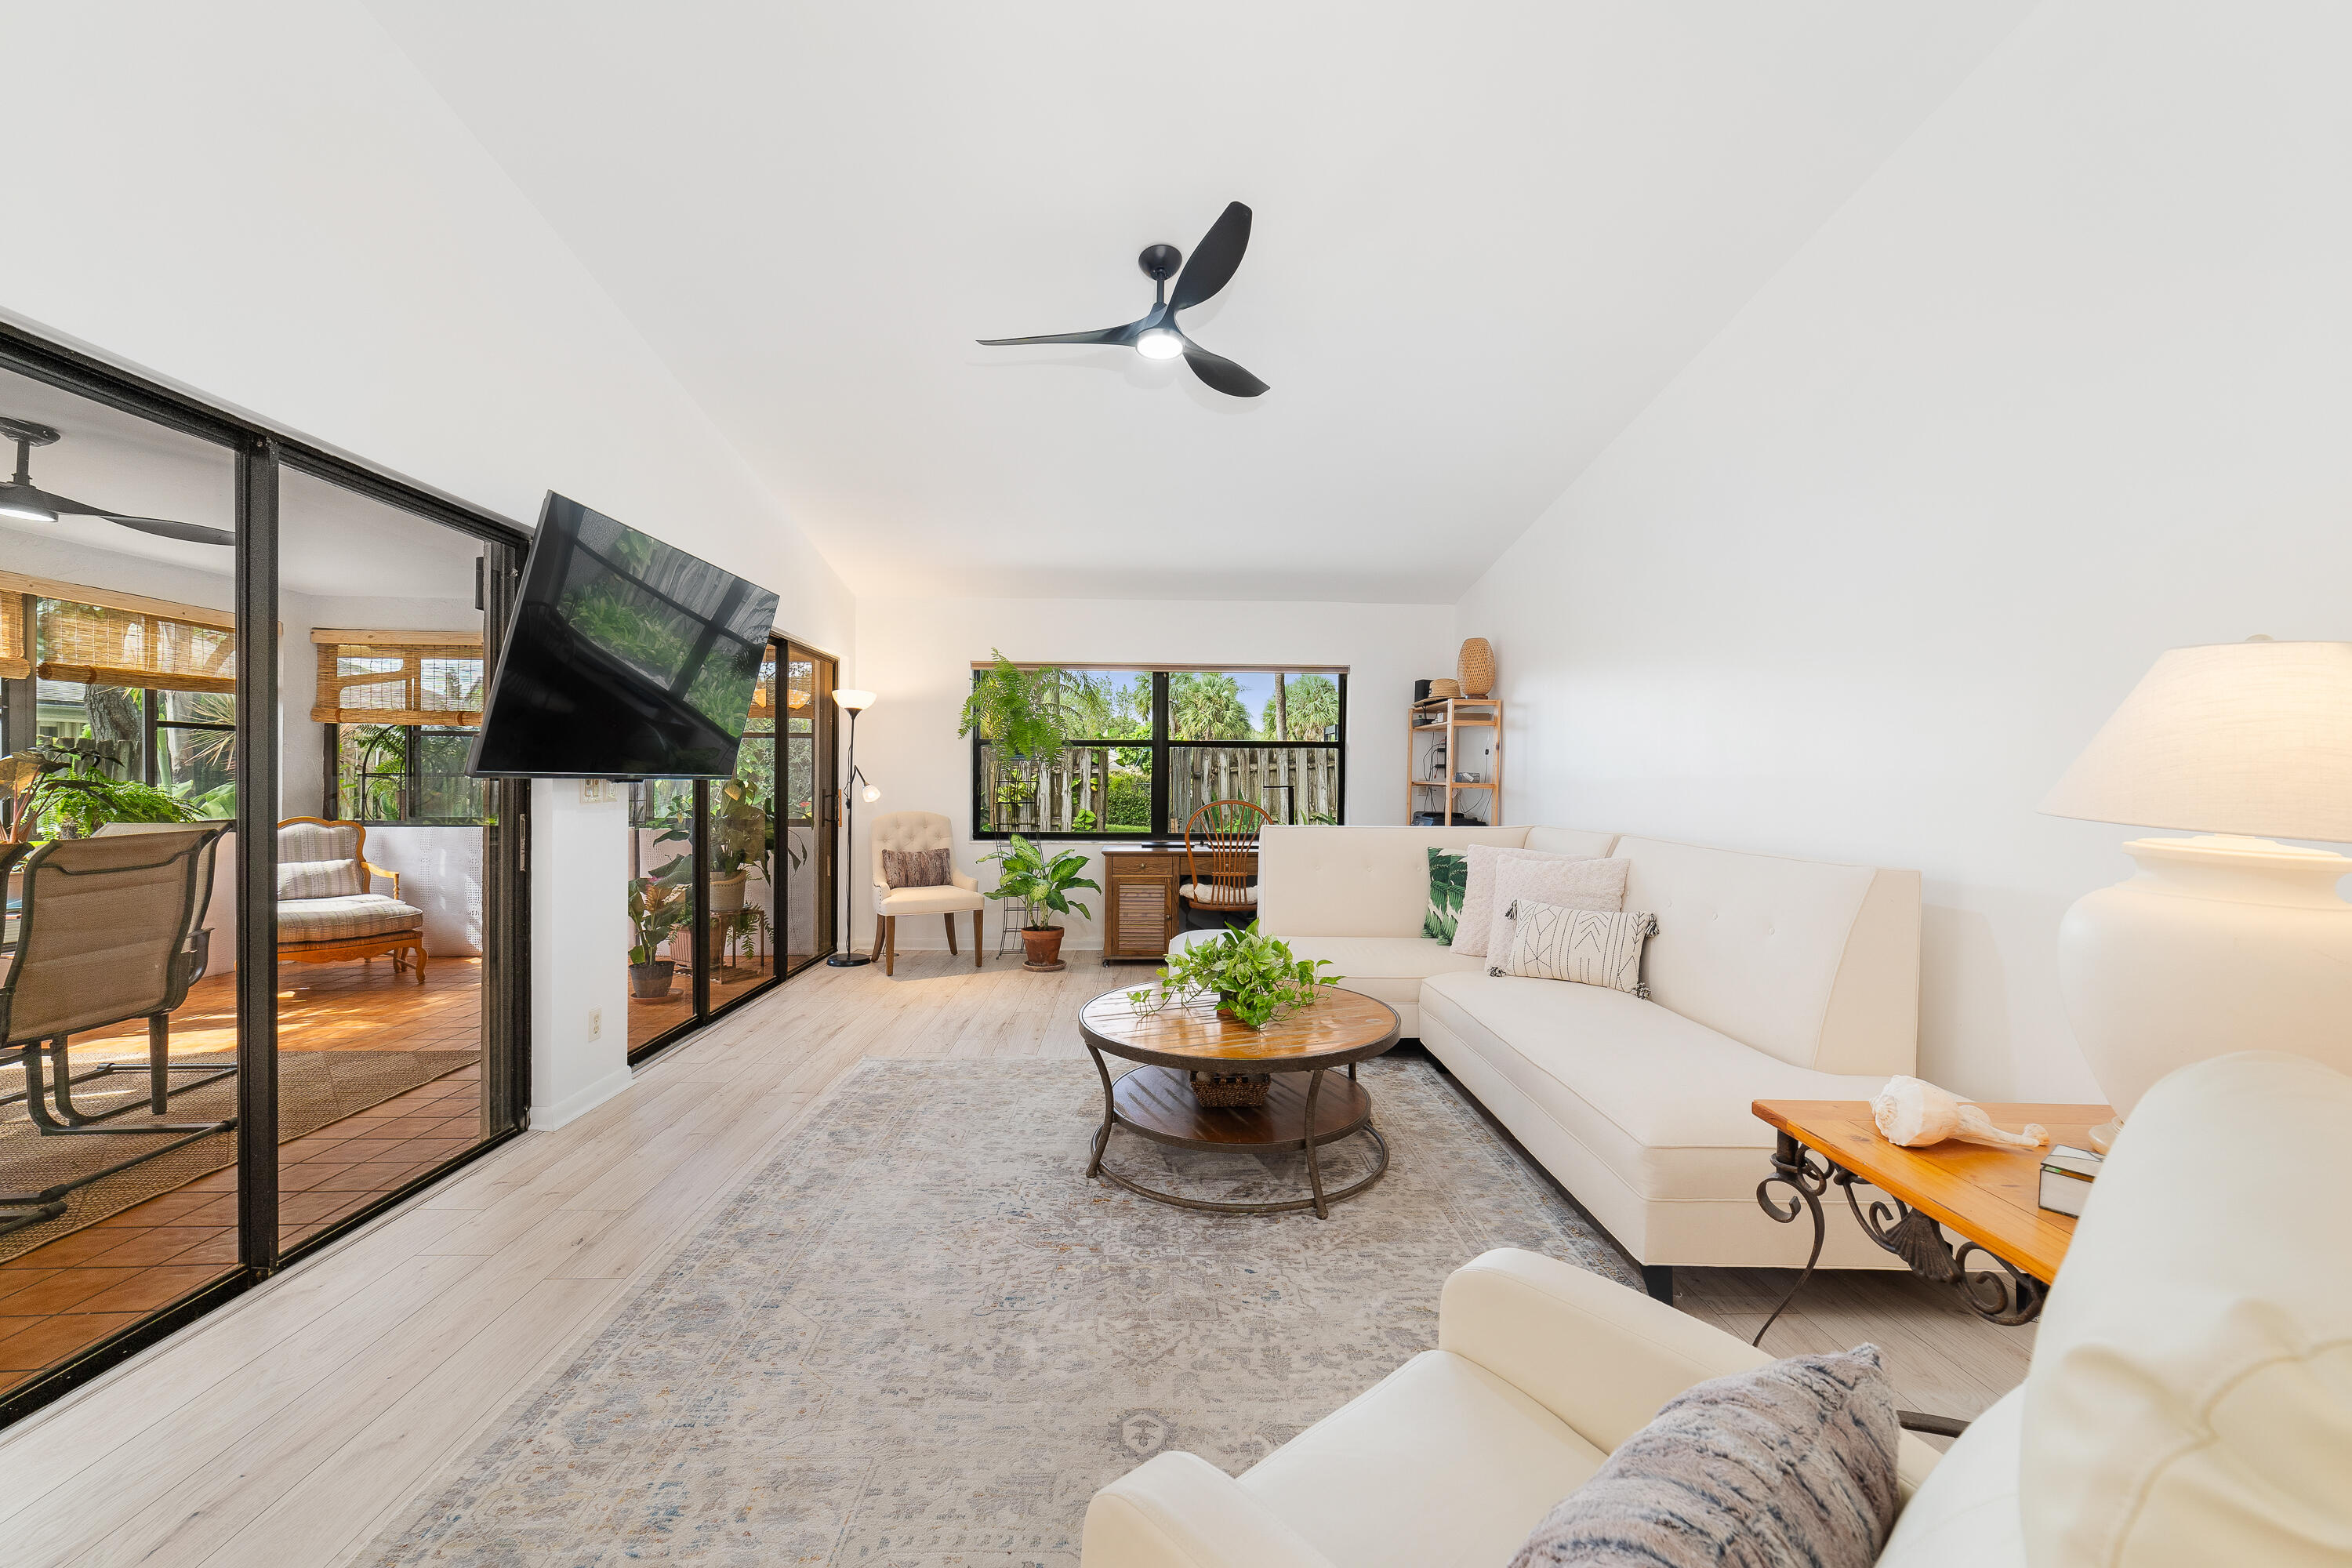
(919, 1336)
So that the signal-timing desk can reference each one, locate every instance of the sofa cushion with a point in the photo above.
(951, 900)
(1790, 1462)
(1354, 881)
(1964, 1515)
(1579, 947)
(1479, 906)
(345, 919)
(1481, 1461)
(2190, 1395)
(1386, 968)
(1749, 944)
(1660, 1100)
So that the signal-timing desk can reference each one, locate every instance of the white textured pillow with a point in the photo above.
(1588, 947)
(1479, 910)
(1572, 882)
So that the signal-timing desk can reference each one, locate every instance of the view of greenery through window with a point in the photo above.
(405, 772)
(1270, 736)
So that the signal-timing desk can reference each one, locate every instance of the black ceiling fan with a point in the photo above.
(1156, 335)
(20, 498)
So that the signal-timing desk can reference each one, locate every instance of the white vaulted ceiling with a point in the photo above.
(1486, 237)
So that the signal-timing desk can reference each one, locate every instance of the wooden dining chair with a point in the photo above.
(1221, 860)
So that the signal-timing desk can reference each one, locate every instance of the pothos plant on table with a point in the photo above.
(1045, 885)
(1256, 979)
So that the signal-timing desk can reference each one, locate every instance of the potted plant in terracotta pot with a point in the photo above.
(657, 908)
(1045, 885)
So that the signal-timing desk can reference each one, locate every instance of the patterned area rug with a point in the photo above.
(919, 1337)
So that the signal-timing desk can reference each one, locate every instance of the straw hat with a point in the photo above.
(1444, 687)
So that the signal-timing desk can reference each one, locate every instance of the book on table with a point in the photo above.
(2066, 1176)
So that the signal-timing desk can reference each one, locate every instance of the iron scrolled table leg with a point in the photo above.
(1795, 1167)
(2008, 1298)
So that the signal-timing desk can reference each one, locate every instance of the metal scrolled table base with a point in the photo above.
(2009, 1298)
(1321, 1201)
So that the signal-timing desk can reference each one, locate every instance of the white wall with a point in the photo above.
(2063, 386)
(915, 656)
(270, 207)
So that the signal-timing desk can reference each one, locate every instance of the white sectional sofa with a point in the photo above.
(1770, 978)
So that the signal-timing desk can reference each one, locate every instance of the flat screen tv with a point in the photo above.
(626, 659)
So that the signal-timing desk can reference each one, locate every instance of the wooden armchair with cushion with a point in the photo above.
(915, 874)
(326, 907)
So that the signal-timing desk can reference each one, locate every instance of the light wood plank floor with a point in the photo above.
(291, 1426)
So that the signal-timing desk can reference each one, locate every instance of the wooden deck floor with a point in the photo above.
(293, 1425)
(64, 1296)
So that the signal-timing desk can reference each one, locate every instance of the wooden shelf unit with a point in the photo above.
(1453, 719)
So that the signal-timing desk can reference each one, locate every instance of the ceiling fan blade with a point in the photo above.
(1214, 259)
(1119, 335)
(193, 532)
(1220, 374)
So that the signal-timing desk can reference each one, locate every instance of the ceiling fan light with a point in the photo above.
(1159, 343)
(14, 503)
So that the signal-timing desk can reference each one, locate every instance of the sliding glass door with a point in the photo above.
(261, 963)
(729, 885)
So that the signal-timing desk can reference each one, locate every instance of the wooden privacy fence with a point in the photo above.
(1293, 784)
(1071, 792)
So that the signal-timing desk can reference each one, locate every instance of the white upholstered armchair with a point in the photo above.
(911, 845)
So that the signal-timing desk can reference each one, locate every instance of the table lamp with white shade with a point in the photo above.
(2228, 940)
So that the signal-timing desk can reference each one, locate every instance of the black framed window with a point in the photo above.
(411, 774)
(1155, 745)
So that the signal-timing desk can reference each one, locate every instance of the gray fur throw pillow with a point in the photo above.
(915, 867)
(1789, 1466)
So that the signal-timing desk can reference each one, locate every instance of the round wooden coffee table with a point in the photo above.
(1157, 1100)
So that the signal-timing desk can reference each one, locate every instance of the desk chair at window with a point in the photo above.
(106, 931)
(1221, 863)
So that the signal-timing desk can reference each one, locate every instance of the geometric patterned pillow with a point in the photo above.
(1448, 875)
(1590, 947)
(1792, 1463)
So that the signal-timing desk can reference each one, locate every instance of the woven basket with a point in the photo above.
(1443, 687)
(1222, 1091)
(1476, 669)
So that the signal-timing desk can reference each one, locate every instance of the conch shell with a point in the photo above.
(1914, 1112)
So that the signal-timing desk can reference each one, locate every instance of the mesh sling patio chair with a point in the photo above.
(106, 932)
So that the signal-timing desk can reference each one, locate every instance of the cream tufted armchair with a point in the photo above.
(920, 830)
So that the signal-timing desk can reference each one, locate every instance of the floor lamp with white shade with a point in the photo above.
(2229, 940)
(853, 703)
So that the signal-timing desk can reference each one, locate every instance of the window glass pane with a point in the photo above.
(1108, 704)
(1267, 705)
(1291, 784)
(372, 773)
(195, 750)
(660, 897)
(1085, 789)
(441, 791)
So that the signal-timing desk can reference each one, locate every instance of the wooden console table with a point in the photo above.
(1140, 911)
(1989, 1197)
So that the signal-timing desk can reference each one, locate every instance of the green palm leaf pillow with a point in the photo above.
(1449, 874)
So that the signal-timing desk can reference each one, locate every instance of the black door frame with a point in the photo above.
(260, 451)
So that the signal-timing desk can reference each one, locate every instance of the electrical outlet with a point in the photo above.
(595, 1022)
(596, 792)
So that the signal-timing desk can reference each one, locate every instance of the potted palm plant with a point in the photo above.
(1045, 885)
(1021, 713)
(657, 908)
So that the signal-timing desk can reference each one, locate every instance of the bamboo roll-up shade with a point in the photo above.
(15, 658)
(763, 695)
(399, 678)
(99, 644)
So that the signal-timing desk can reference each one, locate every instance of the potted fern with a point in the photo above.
(1045, 885)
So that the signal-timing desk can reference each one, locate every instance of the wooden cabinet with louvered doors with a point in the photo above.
(1138, 903)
